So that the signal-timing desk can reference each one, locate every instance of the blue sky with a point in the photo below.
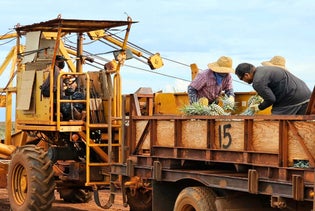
(189, 32)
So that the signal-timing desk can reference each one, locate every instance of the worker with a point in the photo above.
(287, 94)
(59, 65)
(212, 82)
(277, 61)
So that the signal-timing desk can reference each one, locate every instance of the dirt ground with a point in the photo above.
(60, 205)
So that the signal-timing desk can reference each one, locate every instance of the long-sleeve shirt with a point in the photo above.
(46, 83)
(206, 85)
(279, 88)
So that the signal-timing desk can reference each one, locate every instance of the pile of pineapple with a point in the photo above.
(202, 107)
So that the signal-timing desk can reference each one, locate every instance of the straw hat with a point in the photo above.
(222, 65)
(278, 61)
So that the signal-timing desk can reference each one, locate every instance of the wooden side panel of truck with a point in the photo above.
(265, 157)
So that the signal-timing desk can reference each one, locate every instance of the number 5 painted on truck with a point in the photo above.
(224, 134)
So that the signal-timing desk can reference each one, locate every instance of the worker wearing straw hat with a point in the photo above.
(286, 93)
(212, 82)
(277, 61)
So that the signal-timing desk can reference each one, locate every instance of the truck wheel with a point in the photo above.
(75, 195)
(195, 198)
(30, 179)
(140, 200)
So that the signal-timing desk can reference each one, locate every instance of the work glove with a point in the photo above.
(228, 103)
(192, 94)
(232, 101)
(254, 108)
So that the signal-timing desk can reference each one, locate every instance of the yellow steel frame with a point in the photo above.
(9, 90)
(114, 102)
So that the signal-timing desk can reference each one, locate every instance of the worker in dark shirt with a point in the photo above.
(287, 94)
(59, 65)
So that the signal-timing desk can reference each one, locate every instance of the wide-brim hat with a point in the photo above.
(222, 65)
(277, 61)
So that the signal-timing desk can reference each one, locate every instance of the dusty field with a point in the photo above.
(60, 205)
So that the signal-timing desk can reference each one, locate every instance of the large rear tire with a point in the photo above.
(30, 180)
(75, 195)
(196, 199)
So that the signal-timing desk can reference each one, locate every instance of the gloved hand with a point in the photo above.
(192, 94)
(232, 101)
(254, 107)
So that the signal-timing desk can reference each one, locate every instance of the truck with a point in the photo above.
(88, 136)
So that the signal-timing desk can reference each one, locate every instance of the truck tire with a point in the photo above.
(196, 198)
(140, 200)
(75, 195)
(30, 180)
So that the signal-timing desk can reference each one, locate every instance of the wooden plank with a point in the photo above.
(143, 137)
(136, 104)
(194, 134)
(229, 135)
(266, 136)
(301, 142)
(140, 130)
(165, 133)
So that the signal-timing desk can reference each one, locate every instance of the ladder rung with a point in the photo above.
(98, 164)
(103, 145)
(98, 145)
(93, 125)
(96, 183)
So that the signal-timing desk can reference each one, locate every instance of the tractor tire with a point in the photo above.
(30, 179)
(196, 198)
(141, 200)
(75, 195)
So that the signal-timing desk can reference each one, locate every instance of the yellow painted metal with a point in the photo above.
(194, 70)
(117, 100)
(8, 36)
(49, 35)
(98, 34)
(44, 112)
(8, 116)
(155, 61)
(6, 149)
(8, 59)
(65, 53)
(51, 72)
(3, 100)
(170, 103)
(39, 114)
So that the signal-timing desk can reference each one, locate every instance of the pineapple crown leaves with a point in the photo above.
(198, 108)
